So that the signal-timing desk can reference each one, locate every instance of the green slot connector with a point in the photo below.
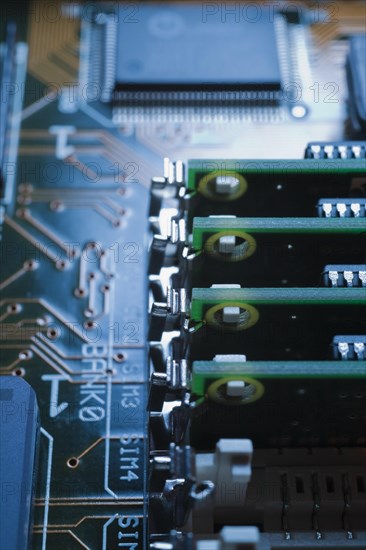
(204, 227)
(203, 298)
(206, 372)
(311, 167)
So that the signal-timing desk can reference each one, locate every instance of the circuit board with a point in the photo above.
(75, 237)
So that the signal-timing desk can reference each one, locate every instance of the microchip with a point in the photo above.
(356, 78)
(181, 53)
(19, 426)
(7, 63)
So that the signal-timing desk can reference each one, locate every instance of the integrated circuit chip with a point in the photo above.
(19, 426)
(356, 78)
(182, 53)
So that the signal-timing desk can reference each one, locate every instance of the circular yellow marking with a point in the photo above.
(213, 391)
(211, 316)
(240, 252)
(205, 188)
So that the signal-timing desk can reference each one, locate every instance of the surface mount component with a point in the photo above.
(349, 347)
(345, 275)
(336, 149)
(19, 427)
(343, 207)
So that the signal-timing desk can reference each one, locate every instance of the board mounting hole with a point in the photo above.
(89, 312)
(52, 333)
(25, 354)
(25, 188)
(73, 462)
(61, 265)
(22, 212)
(24, 200)
(79, 292)
(57, 206)
(119, 357)
(19, 372)
(13, 308)
(30, 265)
